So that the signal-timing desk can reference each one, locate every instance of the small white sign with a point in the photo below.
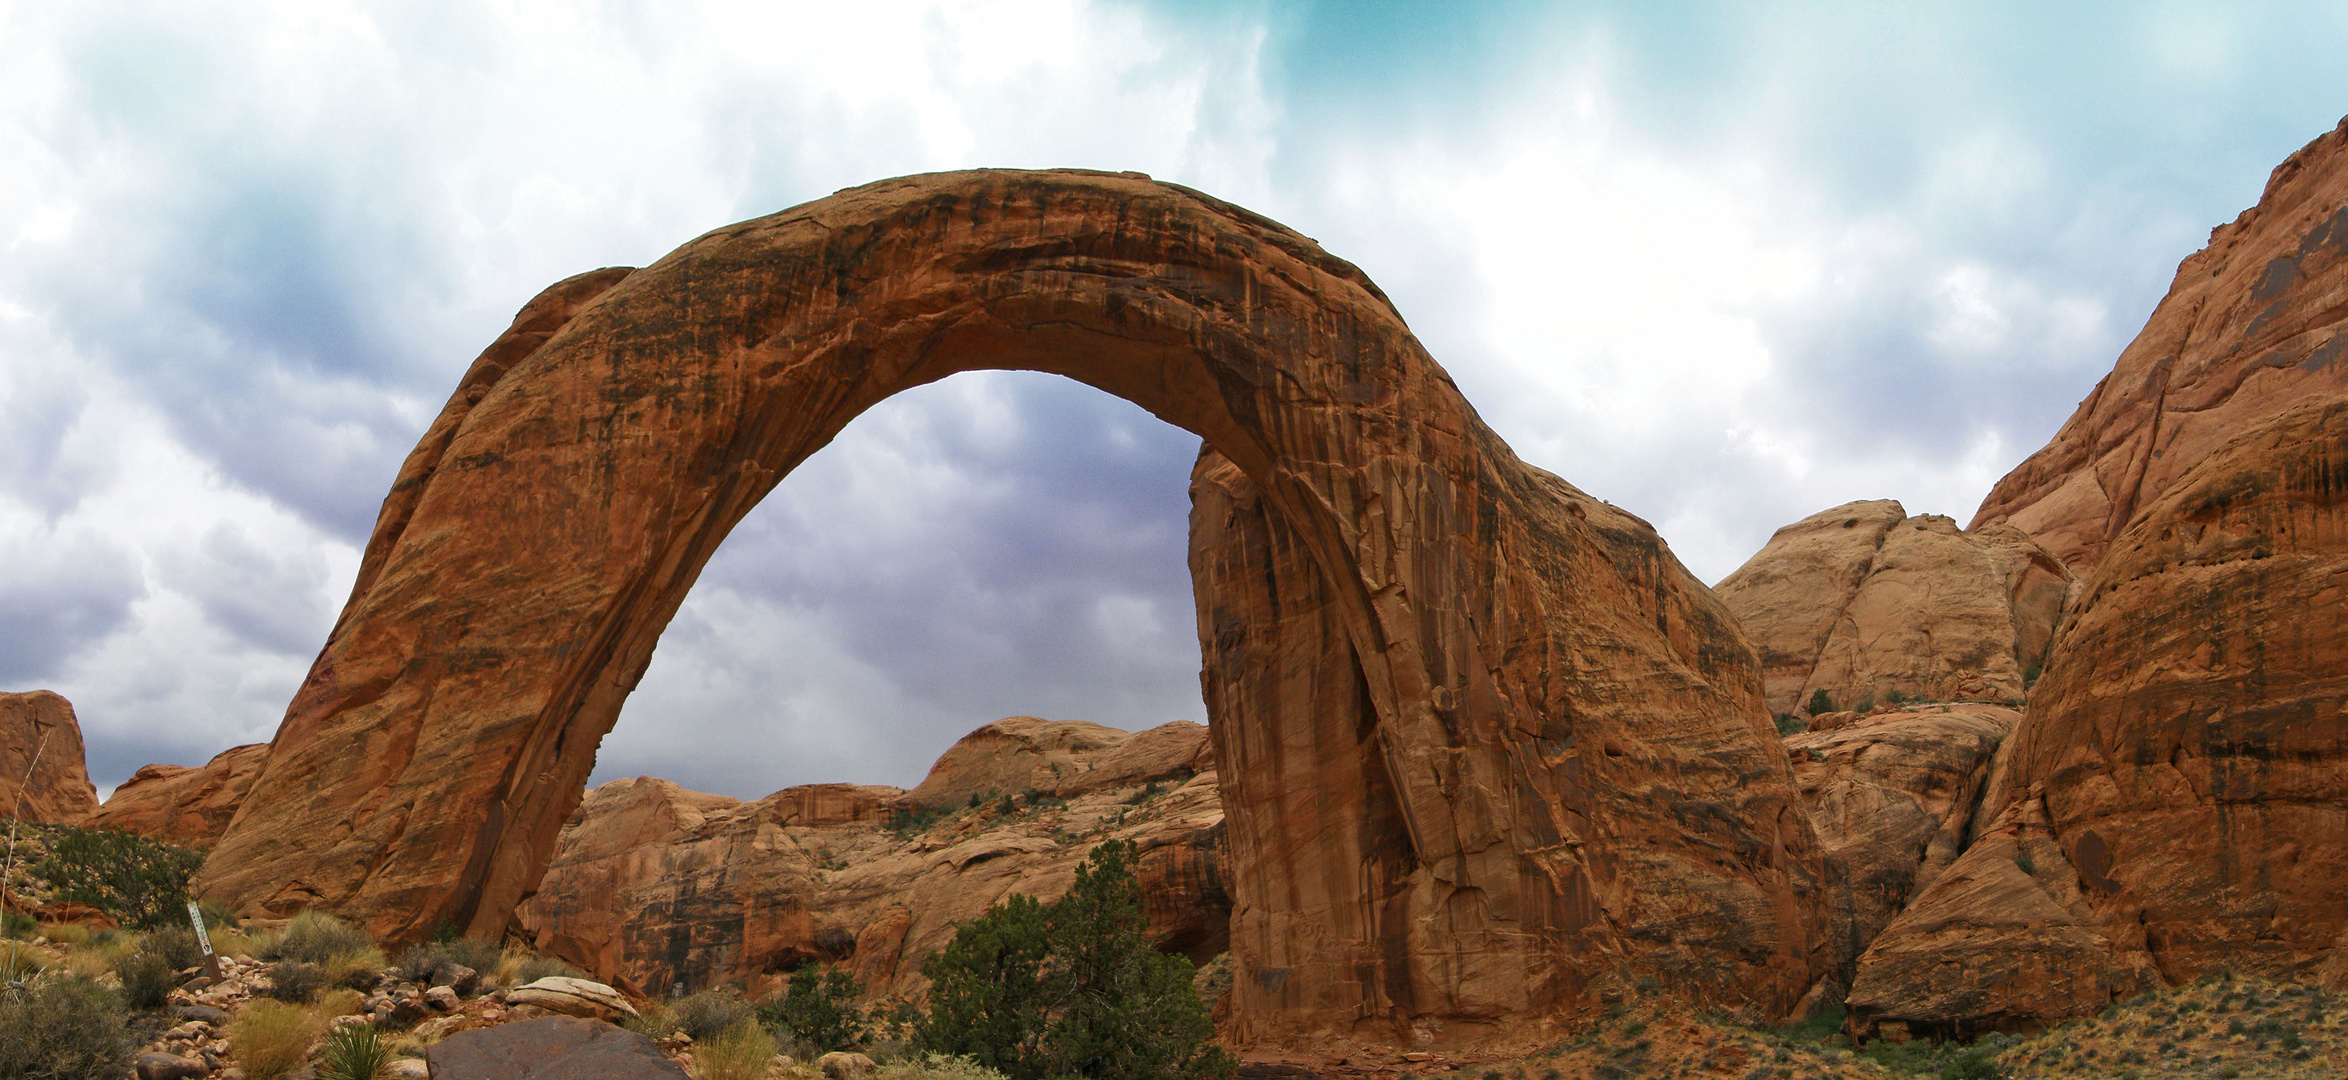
(196, 916)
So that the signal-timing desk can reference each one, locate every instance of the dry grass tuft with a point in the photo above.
(739, 1053)
(271, 1039)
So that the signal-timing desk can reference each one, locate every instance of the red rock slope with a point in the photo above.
(42, 774)
(185, 805)
(2250, 326)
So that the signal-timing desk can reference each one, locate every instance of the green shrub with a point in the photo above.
(539, 967)
(354, 1052)
(314, 937)
(707, 1014)
(2030, 676)
(817, 1008)
(147, 978)
(138, 881)
(2024, 863)
(271, 1038)
(175, 944)
(913, 821)
(1073, 988)
(1821, 703)
(68, 1028)
(421, 962)
(15, 924)
(296, 983)
(739, 1052)
(936, 1067)
(1789, 724)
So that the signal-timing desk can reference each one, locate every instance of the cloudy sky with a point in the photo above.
(1724, 265)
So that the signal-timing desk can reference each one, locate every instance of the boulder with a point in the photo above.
(1555, 756)
(151, 1066)
(566, 995)
(816, 873)
(2250, 326)
(1892, 797)
(1861, 602)
(549, 1048)
(185, 805)
(1023, 753)
(42, 774)
(844, 1065)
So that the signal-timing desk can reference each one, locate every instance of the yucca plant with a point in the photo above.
(354, 1052)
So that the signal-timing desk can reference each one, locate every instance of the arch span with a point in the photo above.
(1485, 744)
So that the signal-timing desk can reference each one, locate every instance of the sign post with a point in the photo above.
(204, 942)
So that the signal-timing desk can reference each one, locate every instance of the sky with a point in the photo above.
(1724, 265)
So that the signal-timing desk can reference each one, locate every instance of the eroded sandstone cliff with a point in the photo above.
(655, 888)
(1862, 601)
(42, 773)
(186, 805)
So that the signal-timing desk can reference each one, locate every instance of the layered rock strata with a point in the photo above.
(2250, 326)
(655, 888)
(1861, 602)
(1022, 754)
(186, 805)
(43, 777)
(1556, 733)
(2180, 787)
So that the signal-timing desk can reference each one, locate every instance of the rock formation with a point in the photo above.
(2251, 325)
(654, 886)
(1862, 601)
(1892, 797)
(2176, 798)
(42, 774)
(1557, 770)
(1060, 757)
(185, 805)
(2180, 788)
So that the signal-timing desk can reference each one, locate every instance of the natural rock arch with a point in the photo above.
(1486, 745)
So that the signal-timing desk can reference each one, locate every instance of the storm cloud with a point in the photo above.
(1722, 265)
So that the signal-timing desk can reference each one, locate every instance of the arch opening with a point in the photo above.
(1409, 635)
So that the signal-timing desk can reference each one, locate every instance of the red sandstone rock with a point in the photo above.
(2186, 757)
(1892, 798)
(184, 805)
(42, 775)
(654, 886)
(2250, 326)
(1024, 753)
(1556, 768)
(1862, 602)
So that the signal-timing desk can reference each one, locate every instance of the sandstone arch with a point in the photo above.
(1489, 744)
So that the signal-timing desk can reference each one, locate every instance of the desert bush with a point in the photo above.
(69, 1028)
(913, 821)
(354, 1052)
(147, 978)
(64, 933)
(1071, 988)
(653, 1019)
(136, 880)
(526, 968)
(175, 944)
(20, 959)
(706, 1014)
(421, 962)
(296, 983)
(739, 1052)
(1789, 724)
(100, 953)
(936, 1067)
(1821, 703)
(817, 1008)
(16, 924)
(271, 1038)
(314, 937)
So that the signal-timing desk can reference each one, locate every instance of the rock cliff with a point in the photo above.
(2250, 326)
(42, 774)
(1862, 601)
(654, 887)
(181, 804)
(1560, 770)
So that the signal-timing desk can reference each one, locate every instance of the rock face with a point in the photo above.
(654, 886)
(1556, 757)
(1892, 796)
(42, 774)
(184, 805)
(1061, 757)
(2251, 325)
(1862, 601)
(2181, 784)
